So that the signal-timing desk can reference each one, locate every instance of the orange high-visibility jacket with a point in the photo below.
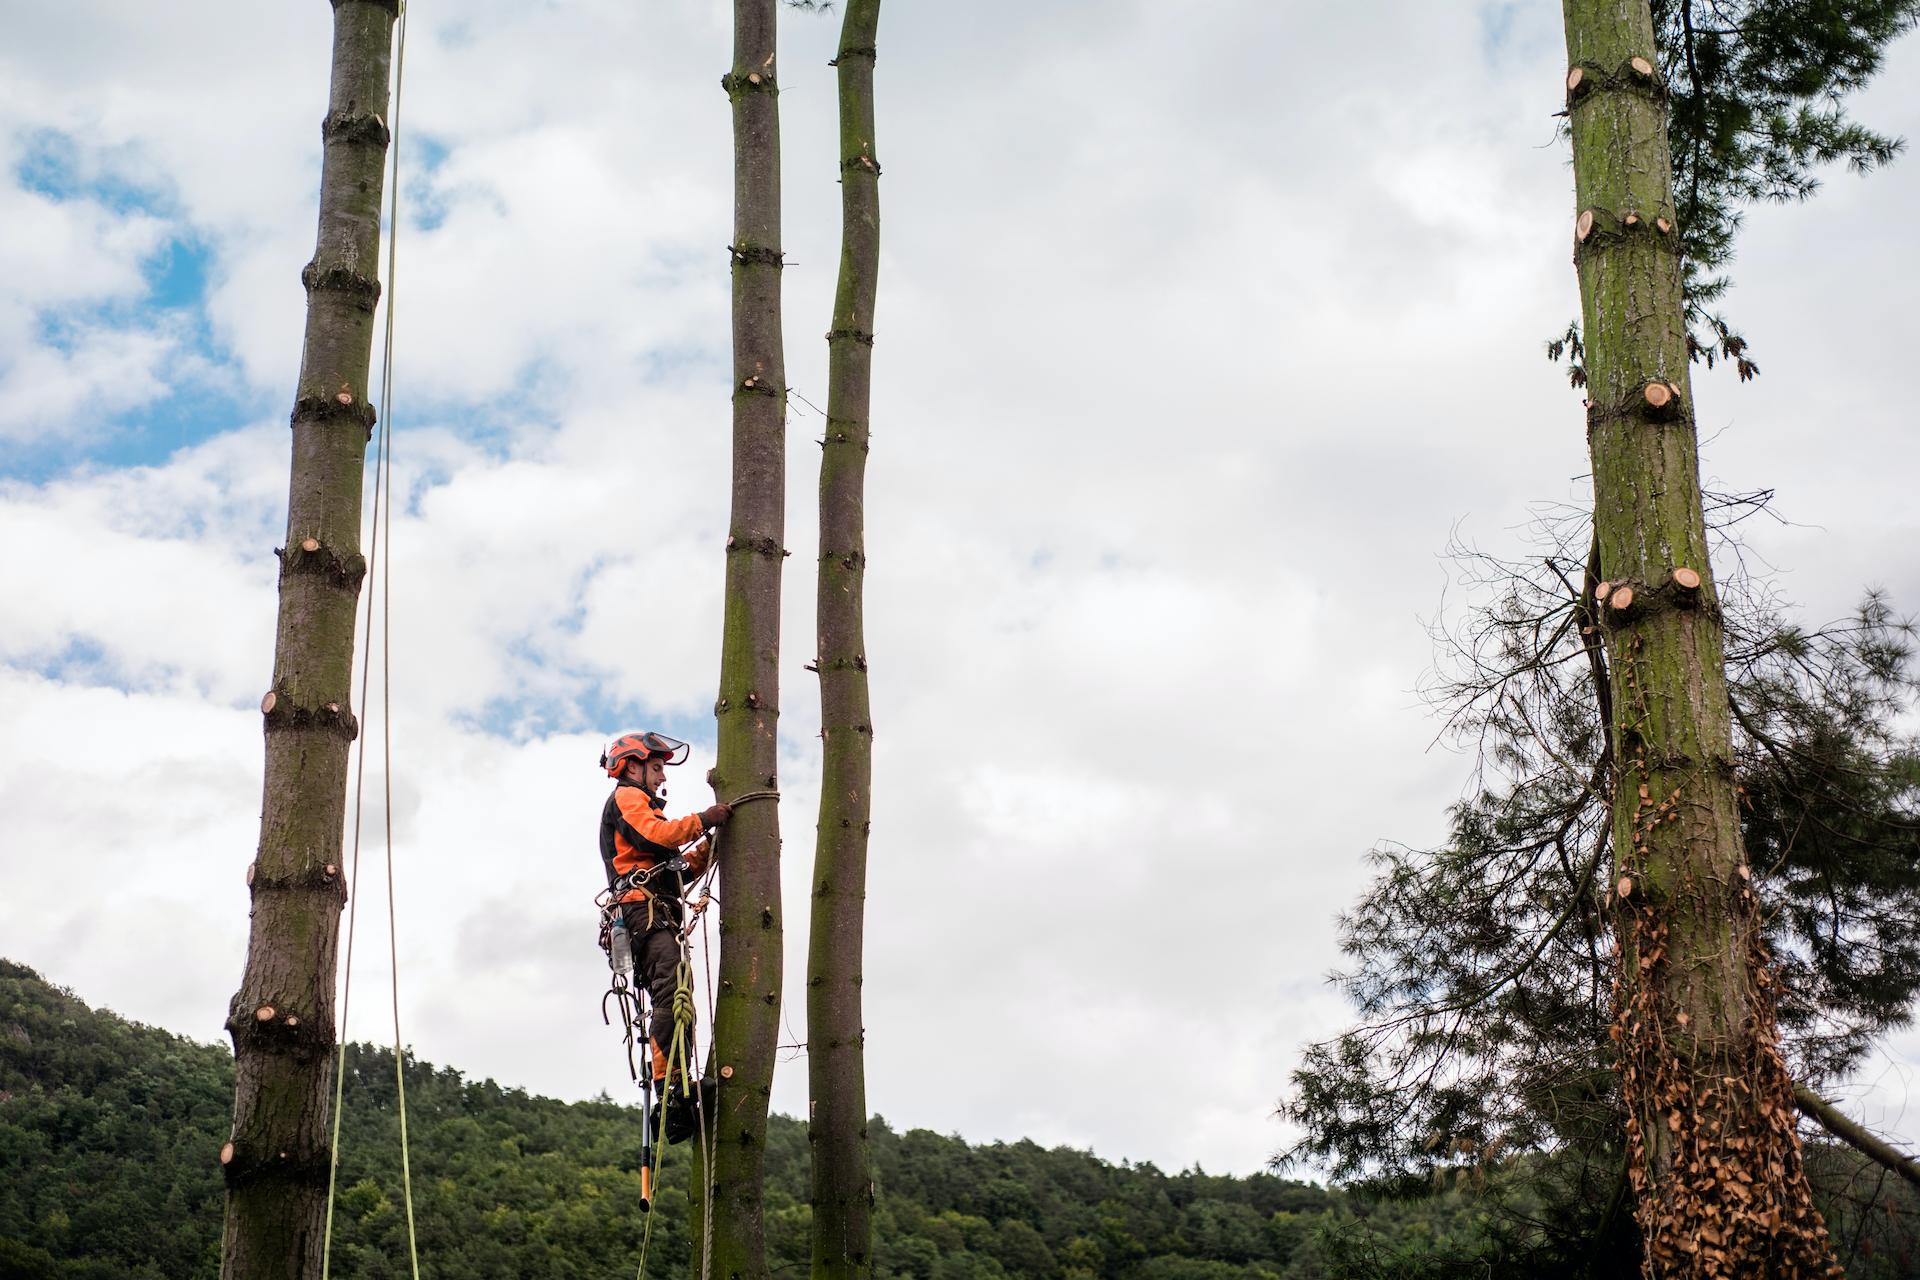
(634, 835)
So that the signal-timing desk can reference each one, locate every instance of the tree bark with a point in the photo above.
(282, 1018)
(1715, 1159)
(837, 1126)
(746, 1021)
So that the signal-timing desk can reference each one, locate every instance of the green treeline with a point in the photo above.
(109, 1134)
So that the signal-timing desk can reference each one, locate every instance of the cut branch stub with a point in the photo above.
(1642, 68)
(1662, 400)
(1621, 600)
(226, 1153)
(313, 557)
(1583, 226)
(1625, 887)
(1574, 77)
(285, 713)
(1662, 226)
(1683, 586)
(264, 1013)
(362, 292)
(331, 409)
(1630, 219)
(252, 867)
(1602, 591)
(348, 126)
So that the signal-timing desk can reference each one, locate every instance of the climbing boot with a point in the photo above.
(681, 1110)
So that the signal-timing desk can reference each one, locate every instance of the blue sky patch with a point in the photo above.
(587, 707)
(177, 274)
(51, 163)
(82, 661)
(1497, 23)
(196, 398)
(423, 205)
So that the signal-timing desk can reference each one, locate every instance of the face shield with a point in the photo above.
(670, 750)
(642, 746)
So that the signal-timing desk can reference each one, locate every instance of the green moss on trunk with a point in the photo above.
(276, 1172)
(746, 1016)
(843, 1194)
(1708, 1099)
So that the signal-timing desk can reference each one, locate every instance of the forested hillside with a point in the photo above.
(109, 1133)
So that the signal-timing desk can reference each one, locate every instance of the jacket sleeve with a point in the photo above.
(668, 833)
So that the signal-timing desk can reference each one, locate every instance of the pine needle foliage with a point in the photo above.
(1481, 970)
(1757, 106)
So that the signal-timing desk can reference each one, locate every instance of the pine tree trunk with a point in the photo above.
(746, 1021)
(1715, 1157)
(837, 1126)
(281, 1019)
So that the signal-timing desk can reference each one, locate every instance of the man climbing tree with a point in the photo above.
(281, 1019)
(746, 1018)
(836, 1038)
(1714, 1157)
(640, 848)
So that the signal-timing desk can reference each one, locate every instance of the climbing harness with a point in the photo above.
(627, 996)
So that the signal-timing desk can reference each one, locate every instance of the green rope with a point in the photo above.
(677, 1051)
(382, 519)
(683, 1003)
(386, 647)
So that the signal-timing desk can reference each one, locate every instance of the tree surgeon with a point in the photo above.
(647, 874)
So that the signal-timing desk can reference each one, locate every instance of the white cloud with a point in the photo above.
(63, 259)
(98, 370)
(165, 572)
(1194, 344)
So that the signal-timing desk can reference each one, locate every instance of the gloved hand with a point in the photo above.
(714, 815)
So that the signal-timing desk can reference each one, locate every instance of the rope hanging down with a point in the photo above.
(381, 530)
(681, 1053)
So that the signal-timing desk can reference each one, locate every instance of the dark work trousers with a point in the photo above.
(656, 959)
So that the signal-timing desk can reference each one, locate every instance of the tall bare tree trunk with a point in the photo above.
(281, 1019)
(837, 1128)
(1715, 1159)
(746, 1020)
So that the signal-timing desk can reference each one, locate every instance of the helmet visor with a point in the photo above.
(671, 750)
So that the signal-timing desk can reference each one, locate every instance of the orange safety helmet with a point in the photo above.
(641, 746)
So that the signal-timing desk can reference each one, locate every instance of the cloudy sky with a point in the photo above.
(1202, 329)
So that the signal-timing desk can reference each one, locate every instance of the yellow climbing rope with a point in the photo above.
(380, 524)
(678, 1052)
(679, 1060)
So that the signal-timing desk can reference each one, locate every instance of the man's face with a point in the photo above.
(653, 774)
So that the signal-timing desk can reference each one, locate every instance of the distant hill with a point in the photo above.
(109, 1132)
